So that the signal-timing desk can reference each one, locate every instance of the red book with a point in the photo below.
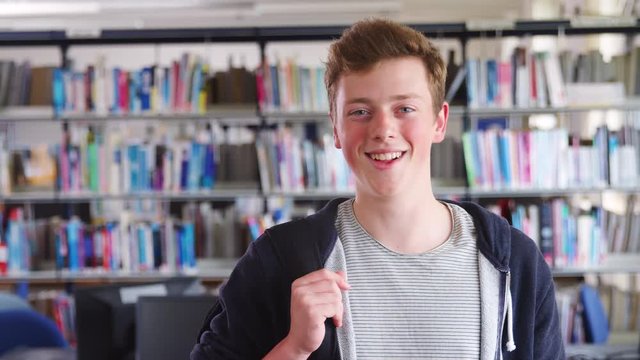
(533, 90)
(178, 88)
(123, 91)
(106, 249)
(4, 257)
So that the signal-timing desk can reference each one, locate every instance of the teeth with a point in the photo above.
(386, 156)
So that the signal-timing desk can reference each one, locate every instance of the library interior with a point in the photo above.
(144, 146)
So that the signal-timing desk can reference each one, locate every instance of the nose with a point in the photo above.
(383, 126)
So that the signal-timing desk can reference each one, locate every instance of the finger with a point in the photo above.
(312, 301)
(331, 311)
(317, 275)
(320, 286)
(344, 285)
(337, 318)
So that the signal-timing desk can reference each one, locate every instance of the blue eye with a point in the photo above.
(406, 109)
(359, 112)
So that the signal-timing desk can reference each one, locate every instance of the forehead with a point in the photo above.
(386, 78)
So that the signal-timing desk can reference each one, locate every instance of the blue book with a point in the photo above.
(595, 319)
(113, 260)
(134, 167)
(184, 170)
(134, 91)
(188, 246)
(14, 246)
(143, 168)
(88, 255)
(275, 86)
(115, 107)
(58, 94)
(503, 153)
(142, 249)
(145, 88)
(157, 245)
(179, 238)
(209, 178)
(195, 166)
(73, 241)
(166, 88)
(492, 123)
(492, 81)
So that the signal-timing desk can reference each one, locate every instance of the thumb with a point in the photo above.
(343, 284)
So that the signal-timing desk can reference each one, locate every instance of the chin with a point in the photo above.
(383, 191)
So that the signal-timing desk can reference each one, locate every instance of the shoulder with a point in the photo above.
(301, 246)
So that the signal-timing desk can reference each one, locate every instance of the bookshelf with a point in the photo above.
(266, 120)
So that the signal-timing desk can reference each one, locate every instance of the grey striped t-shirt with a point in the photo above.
(424, 306)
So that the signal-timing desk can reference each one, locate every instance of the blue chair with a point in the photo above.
(27, 328)
(12, 301)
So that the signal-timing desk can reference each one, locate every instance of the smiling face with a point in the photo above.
(385, 123)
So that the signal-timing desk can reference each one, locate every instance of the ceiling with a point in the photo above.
(93, 15)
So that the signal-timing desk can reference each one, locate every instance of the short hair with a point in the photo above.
(370, 41)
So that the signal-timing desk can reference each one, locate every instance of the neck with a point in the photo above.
(408, 223)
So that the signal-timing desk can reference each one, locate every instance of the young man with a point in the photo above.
(393, 273)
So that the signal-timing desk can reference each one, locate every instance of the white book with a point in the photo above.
(585, 244)
(169, 244)
(555, 84)
(541, 82)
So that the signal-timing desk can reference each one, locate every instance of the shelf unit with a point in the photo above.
(250, 116)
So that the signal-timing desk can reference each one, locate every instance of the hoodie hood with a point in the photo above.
(491, 232)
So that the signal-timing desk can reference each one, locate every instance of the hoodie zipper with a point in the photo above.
(505, 277)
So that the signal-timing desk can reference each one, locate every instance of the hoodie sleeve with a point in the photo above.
(548, 342)
(248, 319)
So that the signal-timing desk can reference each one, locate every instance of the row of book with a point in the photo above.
(129, 246)
(566, 235)
(294, 159)
(185, 86)
(623, 229)
(132, 239)
(289, 87)
(107, 160)
(286, 159)
(532, 79)
(59, 306)
(498, 158)
(526, 80)
(570, 235)
(621, 301)
(591, 314)
(591, 67)
(22, 84)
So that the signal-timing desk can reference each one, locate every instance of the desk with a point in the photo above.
(40, 354)
(597, 352)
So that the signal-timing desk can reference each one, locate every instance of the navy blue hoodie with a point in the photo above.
(252, 314)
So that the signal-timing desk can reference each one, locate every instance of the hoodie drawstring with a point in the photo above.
(511, 345)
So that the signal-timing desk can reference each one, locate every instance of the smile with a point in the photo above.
(386, 156)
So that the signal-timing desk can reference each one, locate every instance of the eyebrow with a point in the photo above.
(394, 97)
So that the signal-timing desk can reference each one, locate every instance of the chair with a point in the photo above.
(12, 301)
(27, 328)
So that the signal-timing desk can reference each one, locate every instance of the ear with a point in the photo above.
(441, 123)
(336, 139)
